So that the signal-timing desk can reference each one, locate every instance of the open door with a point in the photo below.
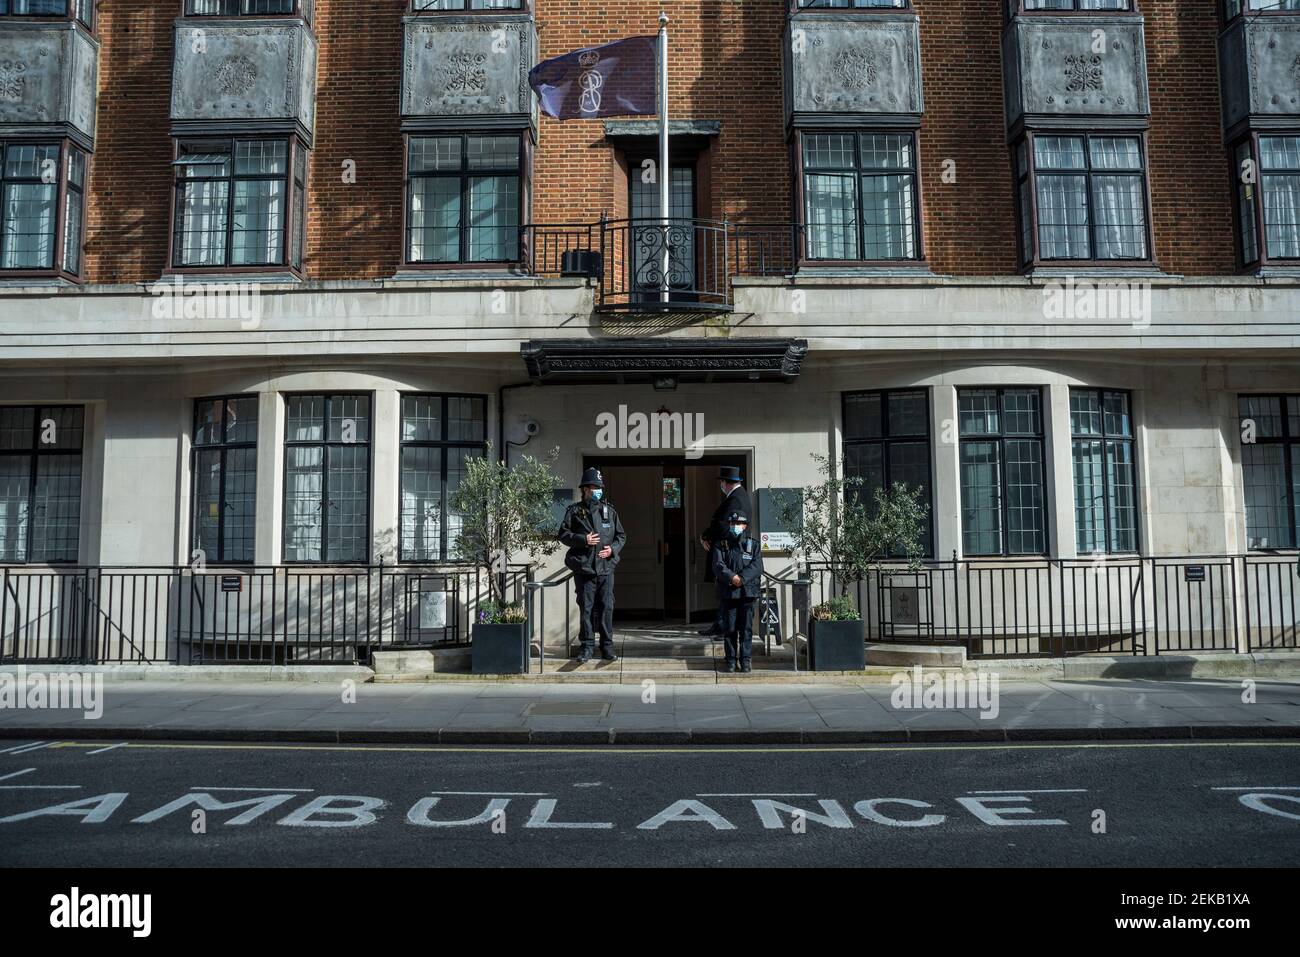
(636, 491)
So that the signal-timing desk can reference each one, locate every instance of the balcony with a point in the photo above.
(1063, 68)
(468, 70)
(1259, 61)
(244, 75)
(48, 80)
(641, 266)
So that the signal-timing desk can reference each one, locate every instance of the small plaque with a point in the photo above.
(1193, 573)
(904, 605)
(232, 583)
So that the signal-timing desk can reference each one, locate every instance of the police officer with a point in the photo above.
(738, 571)
(595, 536)
(734, 499)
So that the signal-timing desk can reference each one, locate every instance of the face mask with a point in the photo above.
(738, 530)
(597, 494)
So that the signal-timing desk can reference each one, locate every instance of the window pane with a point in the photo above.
(1268, 524)
(456, 459)
(15, 479)
(61, 428)
(1115, 152)
(72, 232)
(421, 504)
(492, 152)
(909, 465)
(433, 220)
(241, 419)
(261, 157)
(202, 217)
(349, 492)
(429, 154)
(1120, 211)
(303, 475)
(421, 418)
(258, 234)
(1020, 409)
(1245, 206)
(1089, 497)
(1025, 528)
(1264, 411)
(1059, 152)
(465, 419)
(865, 460)
(241, 505)
(1282, 215)
(349, 418)
(305, 415)
(1118, 420)
(16, 427)
(831, 219)
(207, 502)
(829, 151)
(493, 218)
(886, 151)
(1062, 217)
(1121, 481)
(908, 414)
(56, 509)
(981, 499)
(977, 411)
(888, 217)
(1085, 412)
(862, 415)
(28, 225)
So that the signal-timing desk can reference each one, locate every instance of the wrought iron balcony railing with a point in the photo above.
(643, 265)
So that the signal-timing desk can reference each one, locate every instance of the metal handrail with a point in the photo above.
(796, 631)
(532, 588)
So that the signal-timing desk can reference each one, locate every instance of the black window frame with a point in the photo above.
(223, 446)
(803, 172)
(1251, 195)
(1106, 438)
(886, 439)
(294, 192)
(35, 452)
(1022, 8)
(1227, 15)
(853, 6)
(1025, 169)
(444, 545)
(65, 191)
(1288, 441)
(1001, 437)
(325, 443)
(301, 10)
(465, 174)
(78, 11)
(469, 7)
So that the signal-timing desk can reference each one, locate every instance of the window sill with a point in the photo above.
(285, 277)
(913, 268)
(1094, 270)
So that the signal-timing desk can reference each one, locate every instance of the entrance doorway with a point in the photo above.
(665, 504)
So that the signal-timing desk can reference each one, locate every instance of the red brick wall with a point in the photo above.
(725, 65)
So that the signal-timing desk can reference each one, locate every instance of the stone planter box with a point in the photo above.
(499, 650)
(837, 645)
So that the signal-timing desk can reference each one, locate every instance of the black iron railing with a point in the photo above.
(643, 265)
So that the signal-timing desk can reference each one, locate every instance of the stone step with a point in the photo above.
(885, 654)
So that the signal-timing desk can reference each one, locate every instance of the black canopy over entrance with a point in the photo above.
(670, 360)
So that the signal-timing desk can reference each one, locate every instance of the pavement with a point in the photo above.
(535, 713)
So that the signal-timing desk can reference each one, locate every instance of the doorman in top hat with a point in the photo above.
(737, 562)
(594, 534)
(734, 499)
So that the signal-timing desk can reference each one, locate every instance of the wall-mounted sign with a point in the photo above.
(433, 609)
(904, 605)
(1193, 573)
(775, 535)
(232, 583)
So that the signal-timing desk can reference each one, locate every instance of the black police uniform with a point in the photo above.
(593, 576)
(737, 556)
(736, 501)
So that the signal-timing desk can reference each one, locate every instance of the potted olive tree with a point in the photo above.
(505, 512)
(835, 524)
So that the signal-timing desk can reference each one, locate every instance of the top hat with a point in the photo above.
(592, 477)
(729, 473)
(736, 517)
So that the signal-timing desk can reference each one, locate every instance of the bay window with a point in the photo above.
(42, 208)
(860, 196)
(327, 478)
(464, 198)
(239, 204)
(439, 433)
(1082, 197)
(1267, 176)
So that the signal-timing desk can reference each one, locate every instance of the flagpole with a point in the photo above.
(664, 175)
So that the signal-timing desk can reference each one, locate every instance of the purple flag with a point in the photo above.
(616, 79)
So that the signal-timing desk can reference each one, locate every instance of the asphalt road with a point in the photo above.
(1101, 804)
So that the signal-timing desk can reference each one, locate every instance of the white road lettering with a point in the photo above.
(979, 806)
(687, 811)
(361, 813)
(868, 811)
(257, 806)
(1258, 802)
(769, 812)
(419, 813)
(91, 810)
(541, 817)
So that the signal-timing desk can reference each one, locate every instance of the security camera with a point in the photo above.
(532, 427)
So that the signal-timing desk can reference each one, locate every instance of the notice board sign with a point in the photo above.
(232, 583)
(774, 535)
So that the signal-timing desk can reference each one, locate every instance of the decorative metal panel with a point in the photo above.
(1260, 64)
(252, 70)
(48, 78)
(1060, 67)
(468, 66)
(853, 65)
